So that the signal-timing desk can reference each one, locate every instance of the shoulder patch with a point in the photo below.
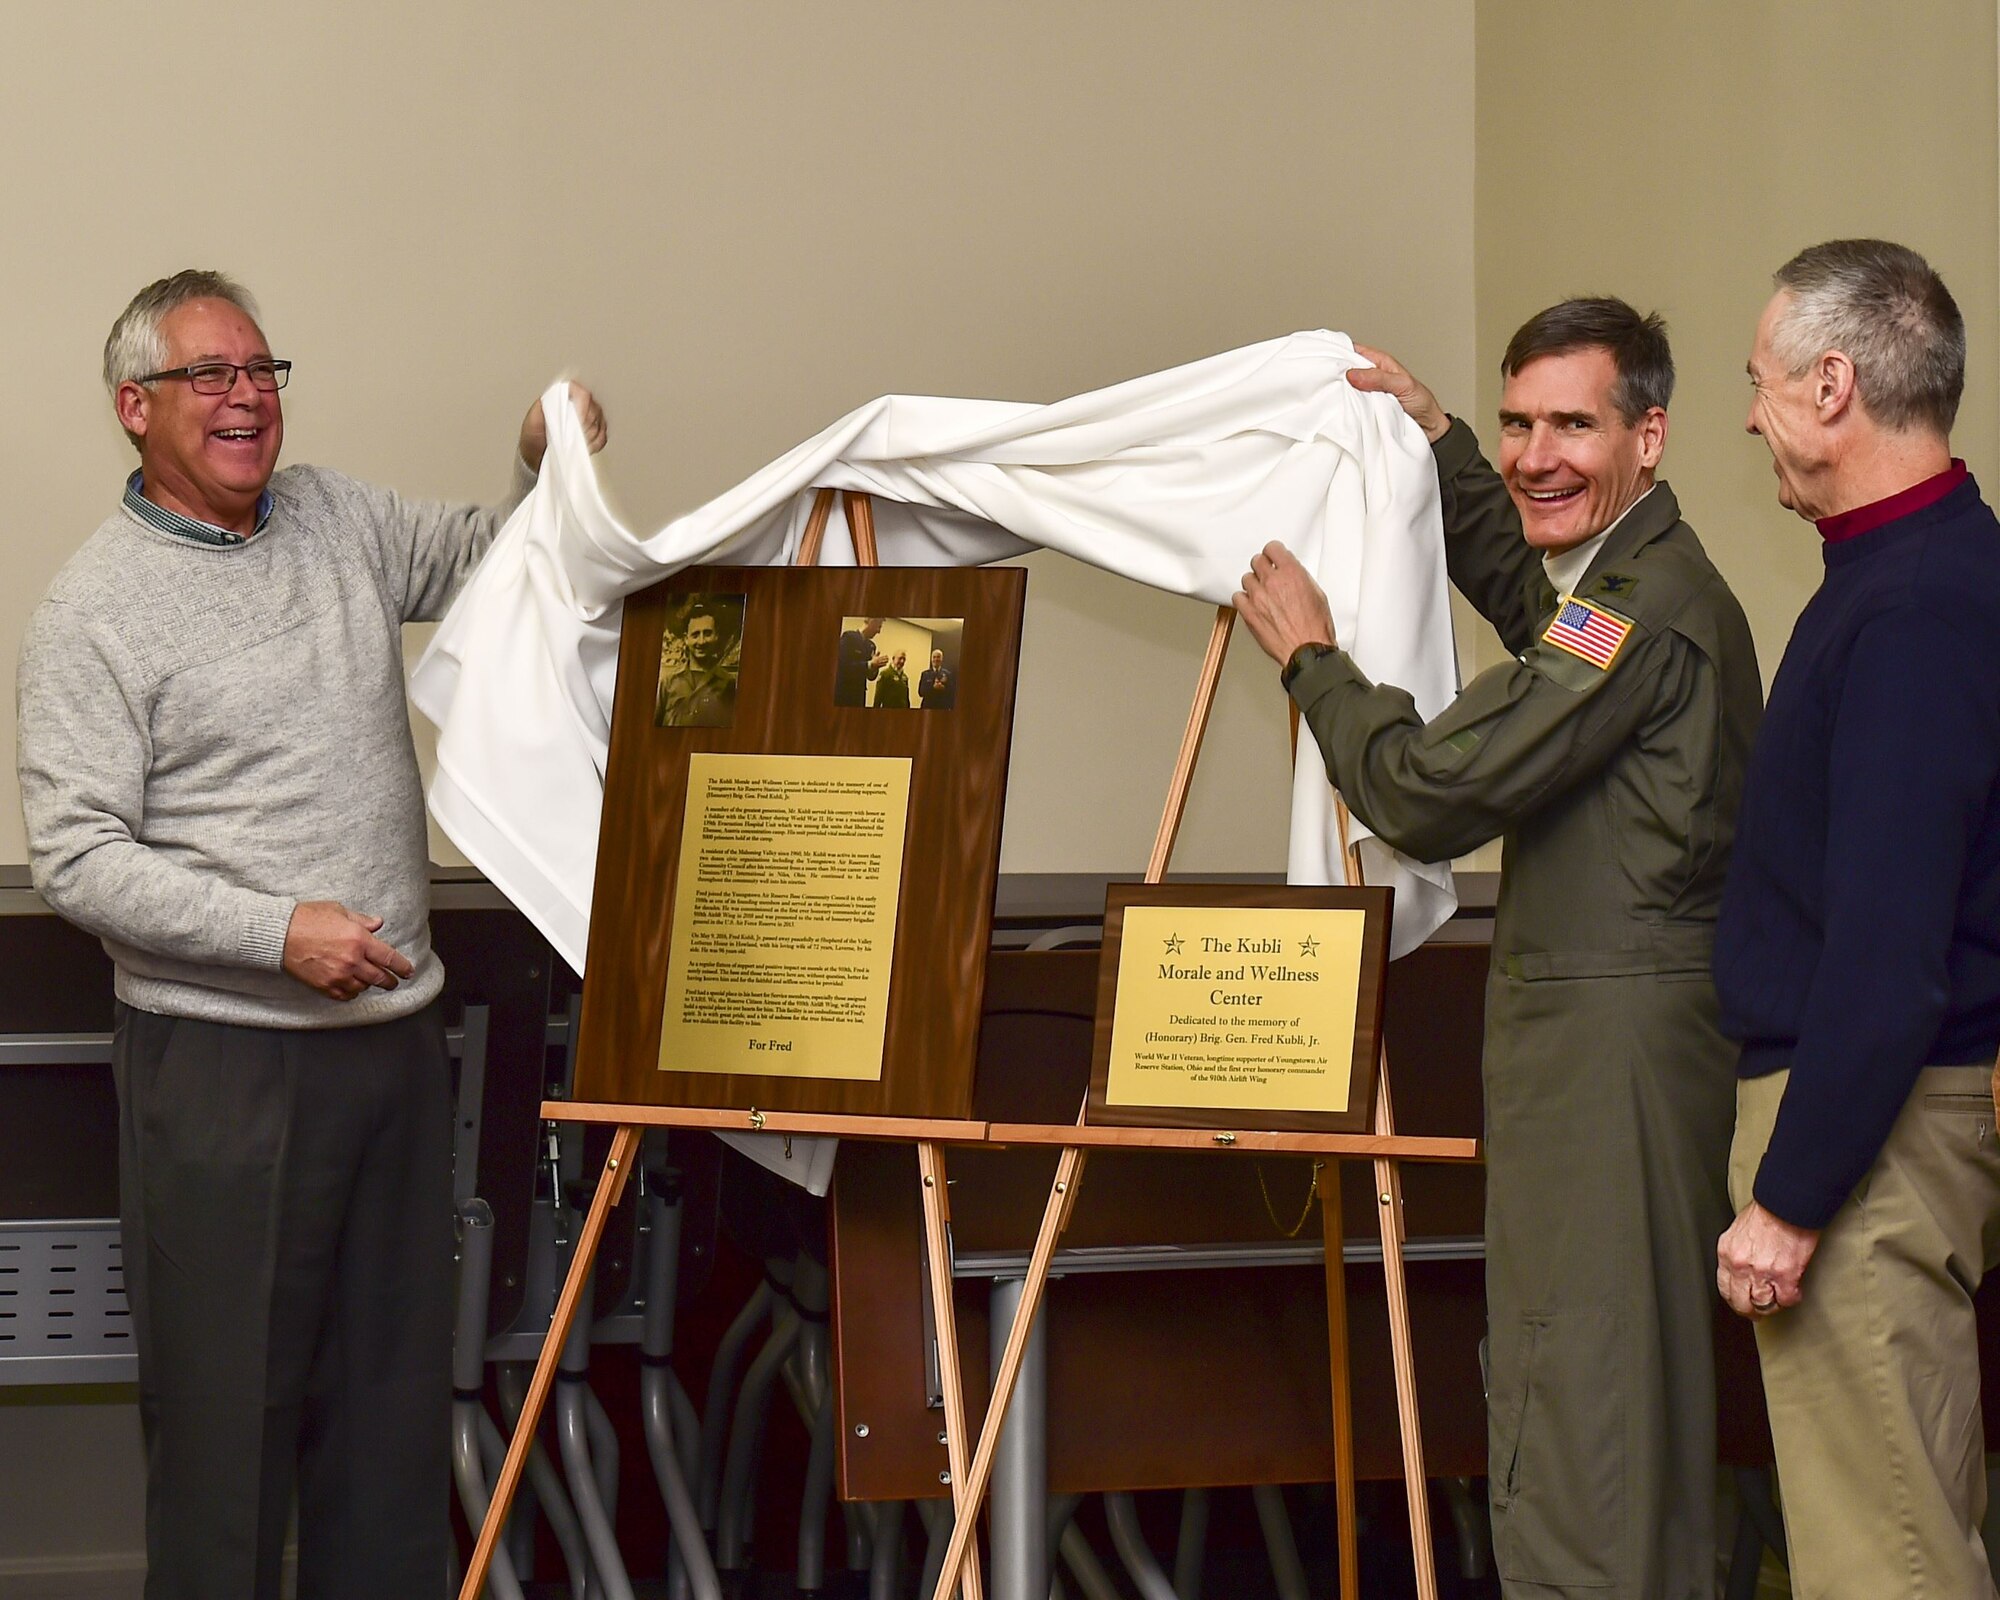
(1615, 584)
(1588, 631)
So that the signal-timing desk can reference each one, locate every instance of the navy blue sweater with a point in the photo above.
(1859, 938)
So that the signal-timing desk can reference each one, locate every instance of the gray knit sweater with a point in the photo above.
(209, 735)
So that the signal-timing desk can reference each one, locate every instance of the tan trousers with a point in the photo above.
(1873, 1379)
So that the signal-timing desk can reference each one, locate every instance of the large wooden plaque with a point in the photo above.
(769, 687)
(1240, 1006)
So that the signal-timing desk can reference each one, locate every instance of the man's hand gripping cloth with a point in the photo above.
(1175, 480)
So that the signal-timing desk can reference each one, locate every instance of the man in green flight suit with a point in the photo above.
(1609, 755)
(892, 685)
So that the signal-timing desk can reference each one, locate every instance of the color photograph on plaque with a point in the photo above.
(898, 663)
(793, 903)
(1240, 1006)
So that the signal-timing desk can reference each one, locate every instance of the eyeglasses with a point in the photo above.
(219, 377)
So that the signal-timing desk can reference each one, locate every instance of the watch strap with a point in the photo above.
(1303, 657)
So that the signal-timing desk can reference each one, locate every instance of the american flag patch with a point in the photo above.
(1586, 630)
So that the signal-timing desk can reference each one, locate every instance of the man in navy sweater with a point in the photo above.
(1858, 953)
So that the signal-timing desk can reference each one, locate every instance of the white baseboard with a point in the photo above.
(120, 1576)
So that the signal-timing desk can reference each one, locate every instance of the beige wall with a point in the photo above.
(738, 222)
(1676, 155)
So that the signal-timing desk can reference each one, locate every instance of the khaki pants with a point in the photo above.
(1873, 1379)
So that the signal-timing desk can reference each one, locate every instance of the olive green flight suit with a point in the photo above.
(1610, 1094)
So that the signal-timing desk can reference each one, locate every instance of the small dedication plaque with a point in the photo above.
(1241, 1008)
(784, 922)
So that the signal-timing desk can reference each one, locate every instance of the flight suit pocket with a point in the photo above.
(1558, 1458)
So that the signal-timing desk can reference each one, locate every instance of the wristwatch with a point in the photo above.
(1303, 657)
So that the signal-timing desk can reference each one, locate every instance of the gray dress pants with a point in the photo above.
(285, 1202)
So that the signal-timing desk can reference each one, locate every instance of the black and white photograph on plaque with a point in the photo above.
(701, 653)
(898, 663)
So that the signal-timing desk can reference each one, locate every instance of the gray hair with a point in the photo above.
(136, 345)
(1884, 308)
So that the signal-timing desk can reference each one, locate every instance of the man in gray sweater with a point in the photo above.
(218, 780)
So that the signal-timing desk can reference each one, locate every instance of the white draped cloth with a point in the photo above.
(1175, 479)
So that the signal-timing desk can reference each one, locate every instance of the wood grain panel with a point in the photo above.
(784, 706)
(1155, 1380)
(1178, 1339)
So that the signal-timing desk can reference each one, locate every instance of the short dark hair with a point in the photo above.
(1885, 308)
(1637, 344)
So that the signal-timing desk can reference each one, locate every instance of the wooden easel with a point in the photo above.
(860, 510)
(1383, 1146)
(631, 1121)
(969, 1479)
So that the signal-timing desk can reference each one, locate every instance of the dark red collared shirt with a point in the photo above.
(1865, 519)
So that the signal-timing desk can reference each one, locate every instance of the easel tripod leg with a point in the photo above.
(937, 1250)
(610, 1186)
(1055, 1217)
(1334, 1228)
(1389, 1208)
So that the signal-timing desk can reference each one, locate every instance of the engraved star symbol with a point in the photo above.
(1309, 946)
(1173, 944)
